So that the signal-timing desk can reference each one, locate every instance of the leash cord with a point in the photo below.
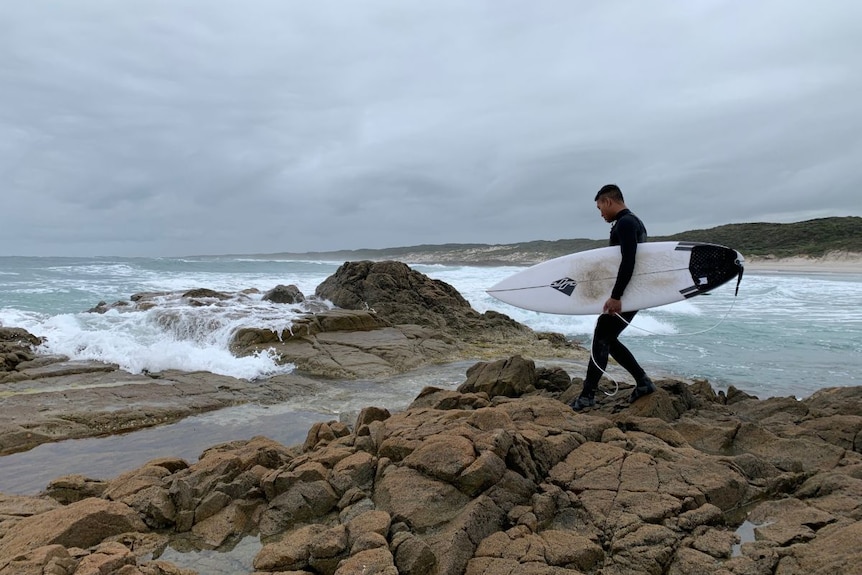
(628, 324)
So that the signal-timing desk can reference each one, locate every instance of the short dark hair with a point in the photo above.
(611, 191)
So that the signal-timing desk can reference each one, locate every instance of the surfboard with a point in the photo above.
(580, 283)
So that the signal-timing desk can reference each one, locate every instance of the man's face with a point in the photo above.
(605, 207)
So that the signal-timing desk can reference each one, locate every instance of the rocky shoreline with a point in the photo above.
(389, 320)
(496, 477)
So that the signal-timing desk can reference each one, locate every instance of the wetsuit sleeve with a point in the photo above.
(627, 232)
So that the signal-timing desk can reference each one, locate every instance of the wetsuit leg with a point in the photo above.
(623, 356)
(605, 343)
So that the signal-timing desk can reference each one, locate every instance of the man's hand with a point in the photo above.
(613, 306)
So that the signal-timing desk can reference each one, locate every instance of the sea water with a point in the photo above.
(783, 335)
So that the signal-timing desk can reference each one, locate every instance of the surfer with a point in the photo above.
(627, 231)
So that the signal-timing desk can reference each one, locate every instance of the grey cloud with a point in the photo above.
(169, 128)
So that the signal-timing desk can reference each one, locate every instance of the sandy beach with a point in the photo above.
(832, 263)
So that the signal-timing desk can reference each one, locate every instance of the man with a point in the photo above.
(627, 231)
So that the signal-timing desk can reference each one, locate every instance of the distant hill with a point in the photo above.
(811, 238)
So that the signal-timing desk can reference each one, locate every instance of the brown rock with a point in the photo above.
(510, 377)
(48, 559)
(72, 488)
(413, 556)
(835, 549)
(303, 501)
(398, 294)
(419, 501)
(81, 524)
(377, 561)
(464, 483)
(443, 457)
(373, 521)
(288, 294)
(356, 470)
(291, 552)
(564, 548)
(106, 558)
(485, 471)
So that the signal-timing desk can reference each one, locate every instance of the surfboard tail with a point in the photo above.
(712, 265)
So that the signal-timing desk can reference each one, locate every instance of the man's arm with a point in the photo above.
(627, 232)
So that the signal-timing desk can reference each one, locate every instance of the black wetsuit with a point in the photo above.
(627, 232)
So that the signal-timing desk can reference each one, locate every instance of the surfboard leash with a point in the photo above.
(629, 324)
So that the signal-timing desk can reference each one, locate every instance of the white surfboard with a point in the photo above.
(580, 283)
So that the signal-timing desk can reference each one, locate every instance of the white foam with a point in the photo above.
(171, 336)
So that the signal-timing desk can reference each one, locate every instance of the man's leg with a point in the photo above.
(608, 328)
(622, 355)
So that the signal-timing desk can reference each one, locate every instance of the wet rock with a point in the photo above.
(288, 294)
(16, 347)
(68, 400)
(419, 299)
(348, 344)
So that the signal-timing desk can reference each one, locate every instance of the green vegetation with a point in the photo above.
(812, 238)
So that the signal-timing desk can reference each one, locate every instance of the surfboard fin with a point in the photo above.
(741, 265)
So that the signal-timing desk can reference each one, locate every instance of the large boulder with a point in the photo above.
(401, 295)
(396, 293)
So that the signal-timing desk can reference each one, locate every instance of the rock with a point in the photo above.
(482, 482)
(510, 377)
(288, 294)
(423, 503)
(42, 560)
(835, 549)
(204, 293)
(16, 347)
(444, 457)
(378, 561)
(71, 402)
(72, 488)
(300, 503)
(291, 553)
(418, 299)
(348, 344)
(81, 524)
(552, 379)
(106, 558)
(412, 555)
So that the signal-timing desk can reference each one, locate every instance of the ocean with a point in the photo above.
(783, 335)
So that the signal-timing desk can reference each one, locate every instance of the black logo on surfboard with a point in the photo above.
(565, 285)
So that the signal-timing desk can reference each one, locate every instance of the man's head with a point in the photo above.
(609, 201)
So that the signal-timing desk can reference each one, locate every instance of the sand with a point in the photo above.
(831, 263)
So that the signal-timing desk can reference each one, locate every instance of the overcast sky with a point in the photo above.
(181, 127)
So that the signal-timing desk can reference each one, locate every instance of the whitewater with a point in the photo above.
(784, 334)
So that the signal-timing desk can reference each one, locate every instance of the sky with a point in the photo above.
(198, 127)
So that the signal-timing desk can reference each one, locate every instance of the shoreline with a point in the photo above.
(832, 265)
